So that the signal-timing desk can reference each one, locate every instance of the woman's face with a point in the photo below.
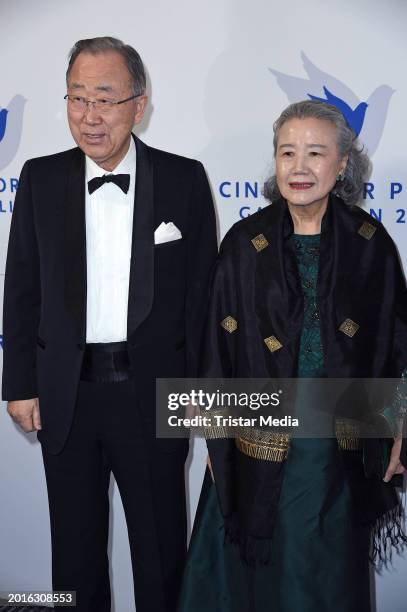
(307, 162)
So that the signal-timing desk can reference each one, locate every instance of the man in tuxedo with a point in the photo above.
(111, 246)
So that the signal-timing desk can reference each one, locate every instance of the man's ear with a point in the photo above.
(141, 103)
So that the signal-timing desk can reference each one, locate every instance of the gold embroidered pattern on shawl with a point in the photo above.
(260, 242)
(230, 324)
(272, 343)
(215, 432)
(274, 446)
(349, 327)
(347, 433)
(266, 445)
(367, 230)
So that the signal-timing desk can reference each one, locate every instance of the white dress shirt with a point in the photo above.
(109, 225)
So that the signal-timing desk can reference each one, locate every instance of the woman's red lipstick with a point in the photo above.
(300, 186)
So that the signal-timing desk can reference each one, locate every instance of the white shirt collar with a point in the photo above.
(126, 166)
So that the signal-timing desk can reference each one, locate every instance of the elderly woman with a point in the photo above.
(309, 287)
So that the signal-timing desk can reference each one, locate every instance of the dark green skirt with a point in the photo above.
(319, 556)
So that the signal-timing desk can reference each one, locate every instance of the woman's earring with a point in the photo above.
(340, 177)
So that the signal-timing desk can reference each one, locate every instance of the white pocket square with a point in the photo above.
(166, 232)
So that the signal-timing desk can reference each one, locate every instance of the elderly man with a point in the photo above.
(110, 251)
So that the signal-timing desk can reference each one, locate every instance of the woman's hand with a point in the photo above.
(395, 466)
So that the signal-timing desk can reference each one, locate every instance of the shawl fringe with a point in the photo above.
(388, 535)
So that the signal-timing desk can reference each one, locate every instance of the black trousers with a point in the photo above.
(107, 436)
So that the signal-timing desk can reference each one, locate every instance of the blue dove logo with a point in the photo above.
(354, 118)
(366, 118)
(11, 124)
(3, 122)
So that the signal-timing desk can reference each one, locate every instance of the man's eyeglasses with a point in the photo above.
(79, 103)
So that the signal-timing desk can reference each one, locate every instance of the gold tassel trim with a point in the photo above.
(271, 446)
(347, 434)
(213, 433)
(349, 443)
(268, 447)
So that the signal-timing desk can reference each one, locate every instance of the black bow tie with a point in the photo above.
(121, 180)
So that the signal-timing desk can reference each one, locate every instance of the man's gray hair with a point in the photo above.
(107, 43)
(357, 170)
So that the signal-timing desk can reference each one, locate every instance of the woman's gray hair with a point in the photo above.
(108, 43)
(357, 170)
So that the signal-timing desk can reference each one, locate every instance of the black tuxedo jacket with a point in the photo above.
(44, 317)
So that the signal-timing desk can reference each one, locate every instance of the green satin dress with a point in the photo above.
(319, 557)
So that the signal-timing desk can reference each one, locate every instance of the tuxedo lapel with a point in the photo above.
(75, 243)
(141, 282)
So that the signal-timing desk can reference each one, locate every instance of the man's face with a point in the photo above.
(103, 136)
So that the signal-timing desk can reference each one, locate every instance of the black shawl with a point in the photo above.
(253, 331)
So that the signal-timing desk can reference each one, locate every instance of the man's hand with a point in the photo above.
(26, 413)
(394, 467)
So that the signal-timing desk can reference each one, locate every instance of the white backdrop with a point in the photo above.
(220, 72)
